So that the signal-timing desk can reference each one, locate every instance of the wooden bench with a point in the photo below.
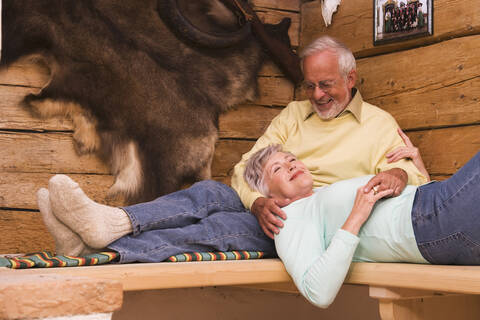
(404, 291)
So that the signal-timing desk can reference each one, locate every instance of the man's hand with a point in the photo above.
(267, 211)
(394, 179)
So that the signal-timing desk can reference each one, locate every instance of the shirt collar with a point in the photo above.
(354, 107)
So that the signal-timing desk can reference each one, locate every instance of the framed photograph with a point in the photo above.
(398, 20)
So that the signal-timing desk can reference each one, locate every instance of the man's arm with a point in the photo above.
(266, 210)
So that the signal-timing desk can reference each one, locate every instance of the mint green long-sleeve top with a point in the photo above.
(317, 253)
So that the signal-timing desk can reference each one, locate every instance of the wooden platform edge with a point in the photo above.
(150, 276)
(270, 274)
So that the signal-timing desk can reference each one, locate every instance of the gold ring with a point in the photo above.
(375, 190)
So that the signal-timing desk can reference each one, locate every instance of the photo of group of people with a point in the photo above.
(400, 19)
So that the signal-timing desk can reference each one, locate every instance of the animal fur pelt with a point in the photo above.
(141, 96)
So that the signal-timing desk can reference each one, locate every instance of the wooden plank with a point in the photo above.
(444, 151)
(274, 91)
(353, 24)
(246, 121)
(424, 67)
(47, 152)
(275, 16)
(459, 279)
(434, 106)
(146, 276)
(18, 189)
(227, 154)
(291, 5)
(23, 232)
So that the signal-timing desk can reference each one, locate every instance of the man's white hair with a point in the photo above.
(346, 60)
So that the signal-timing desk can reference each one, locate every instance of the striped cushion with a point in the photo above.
(47, 260)
(212, 256)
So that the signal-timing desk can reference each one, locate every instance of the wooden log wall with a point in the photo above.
(33, 150)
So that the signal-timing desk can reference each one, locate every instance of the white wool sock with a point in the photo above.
(67, 242)
(98, 225)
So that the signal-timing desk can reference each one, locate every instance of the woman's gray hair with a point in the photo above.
(346, 60)
(253, 173)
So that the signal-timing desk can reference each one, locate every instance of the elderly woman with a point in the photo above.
(329, 227)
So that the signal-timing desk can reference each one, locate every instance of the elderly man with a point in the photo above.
(335, 133)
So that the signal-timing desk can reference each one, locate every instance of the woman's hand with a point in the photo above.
(408, 152)
(362, 208)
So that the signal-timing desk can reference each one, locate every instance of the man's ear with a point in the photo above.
(351, 78)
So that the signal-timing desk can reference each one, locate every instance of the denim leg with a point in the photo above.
(184, 207)
(446, 217)
(221, 231)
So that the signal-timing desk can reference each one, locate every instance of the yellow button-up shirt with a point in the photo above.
(350, 145)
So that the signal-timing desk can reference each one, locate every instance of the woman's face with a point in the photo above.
(287, 177)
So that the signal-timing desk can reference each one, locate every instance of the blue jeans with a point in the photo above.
(446, 217)
(208, 216)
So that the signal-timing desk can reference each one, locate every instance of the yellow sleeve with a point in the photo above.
(390, 141)
(276, 133)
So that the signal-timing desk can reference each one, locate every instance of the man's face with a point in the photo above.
(327, 89)
(287, 177)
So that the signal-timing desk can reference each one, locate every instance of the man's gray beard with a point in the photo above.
(336, 109)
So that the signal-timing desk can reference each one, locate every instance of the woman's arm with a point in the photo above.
(318, 272)
(410, 152)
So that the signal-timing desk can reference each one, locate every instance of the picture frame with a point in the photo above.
(399, 20)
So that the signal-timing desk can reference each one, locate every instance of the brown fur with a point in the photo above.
(140, 96)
